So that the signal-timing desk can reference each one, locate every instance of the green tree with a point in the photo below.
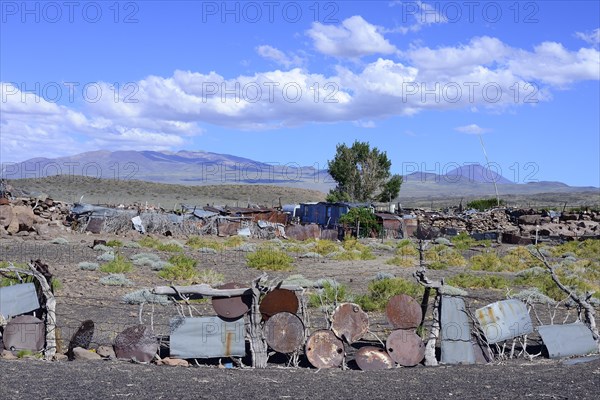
(362, 174)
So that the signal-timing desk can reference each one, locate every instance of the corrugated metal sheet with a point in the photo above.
(504, 320)
(456, 346)
(18, 299)
(207, 337)
(568, 340)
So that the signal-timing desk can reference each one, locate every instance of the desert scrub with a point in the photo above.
(380, 292)
(325, 247)
(198, 242)
(144, 296)
(442, 257)
(119, 265)
(106, 256)
(270, 258)
(470, 281)
(210, 277)
(589, 249)
(59, 240)
(330, 294)
(519, 259)
(172, 246)
(103, 248)
(488, 261)
(115, 280)
(403, 261)
(114, 243)
(354, 250)
(407, 248)
(234, 241)
(182, 268)
(131, 245)
(88, 266)
(463, 241)
(149, 260)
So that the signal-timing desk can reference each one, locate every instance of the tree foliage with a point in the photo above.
(362, 174)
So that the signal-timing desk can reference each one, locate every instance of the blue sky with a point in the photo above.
(420, 80)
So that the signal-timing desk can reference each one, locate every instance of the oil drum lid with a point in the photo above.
(349, 322)
(278, 300)
(324, 350)
(232, 307)
(284, 332)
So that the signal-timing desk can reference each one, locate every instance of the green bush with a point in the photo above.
(380, 291)
(210, 277)
(463, 241)
(330, 294)
(114, 243)
(403, 261)
(354, 250)
(153, 243)
(589, 249)
(270, 258)
(115, 280)
(88, 266)
(367, 219)
(470, 281)
(441, 257)
(488, 261)
(198, 242)
(484, 204)
(118, 265)
(182, 268)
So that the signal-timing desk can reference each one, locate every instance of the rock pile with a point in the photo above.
(25, 217)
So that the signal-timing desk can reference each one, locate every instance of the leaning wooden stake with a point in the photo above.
(258, 344)
(50, 349)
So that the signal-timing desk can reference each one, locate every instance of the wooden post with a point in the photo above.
(258, 344)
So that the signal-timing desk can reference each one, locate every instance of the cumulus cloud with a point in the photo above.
(472, 129)
(592, 37)
(165, 112)
(278, 56)
(420, 13)
(355, 37)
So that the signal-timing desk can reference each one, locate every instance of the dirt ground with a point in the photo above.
(544, 379)
(83, 297)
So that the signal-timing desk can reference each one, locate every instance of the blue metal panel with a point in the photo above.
(18, 299)
(568, 340)
(456, 346)
(504, 320)
(207, 337)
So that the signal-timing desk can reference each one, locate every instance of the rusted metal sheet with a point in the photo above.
(405, 347)
(371, 358)
(278, 300)
(136, 343)
(324, 350)
(207, 337)
(568, 340)
(403, 312)
(303, 232)
(456, 346)
(330, 234)
(24, 332)
(504, 320)
(18, 299)
(95, 225)
(82, 337)
(232, 307)
(349, 322)
(228, 228)
(284, 332)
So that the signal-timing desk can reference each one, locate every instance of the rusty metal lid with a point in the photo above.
(349, 322)
(24, 332)
(284, 332)
(371, 358)
(137, 343)
(232, 307)
(82, 337)
(4, 201)
(324, 350)
(405, 347)
(278, 300)
(403, 312)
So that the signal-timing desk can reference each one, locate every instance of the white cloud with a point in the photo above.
(422, 13)
(592, 37)
(354, 38)
(278, 56)
(472, 129)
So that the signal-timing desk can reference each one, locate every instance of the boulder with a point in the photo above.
(106, 352)
(80, 353)
(13, 227)
(174, 362)
(42, 229)
(7, 355)
(6, 215)
(25, 216)
(529, 219)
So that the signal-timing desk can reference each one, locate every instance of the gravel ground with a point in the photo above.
(32, 379)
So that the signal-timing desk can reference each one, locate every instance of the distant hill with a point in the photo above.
(199, 168)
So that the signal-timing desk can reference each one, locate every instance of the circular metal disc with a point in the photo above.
(371, 358)
(284, 332)
(231, 307)
(405, 347)
(349, 322)
(278, 300)
(324, 350)
(403, 312)
(137, 343)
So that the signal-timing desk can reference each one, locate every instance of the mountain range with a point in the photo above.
(207, 168)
